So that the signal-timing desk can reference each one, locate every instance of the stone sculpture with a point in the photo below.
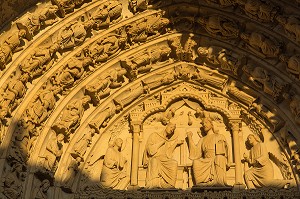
(261, 173)
(206, 77)
(113, 173)
(183, 52)
(11, 92)
(295, 107)
(275, 121)
(112, 44)
(142, 62)
(161, 168)
(40, 60)
(69, 175)
(9, 46)
(138, 5)
(210, 156)
(223, 58)
(262, 44)
(292, 64)
(67, 6)
(160, 79)
(71, 116)
(54, 150)
(146, 28)
(291, 25)
(105, 14)
(73, 34)
(34, 22)
(73, 71)
(11, 186)
(259, 9)
(270, 84)
(39, 107)
(81, 146)
(41, 192)
(220, 26)
(101, 87)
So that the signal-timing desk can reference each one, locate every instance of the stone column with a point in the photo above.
(235, 129)
(136, 129)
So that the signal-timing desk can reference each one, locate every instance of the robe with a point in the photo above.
(113, 173)
(209, 160)
(161, 168)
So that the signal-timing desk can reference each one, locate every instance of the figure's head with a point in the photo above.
(170, 129)
(22, 33)
(207, 124)
(253, 139)
(118, 143)
(60, 138)
(202, 51)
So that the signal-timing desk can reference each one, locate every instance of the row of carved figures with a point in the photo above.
(210, 161)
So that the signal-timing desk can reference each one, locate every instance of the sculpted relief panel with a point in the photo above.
(149, 95)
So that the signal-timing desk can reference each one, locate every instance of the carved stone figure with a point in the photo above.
(141, 62)
(103, 117)
(33, 22)
(39, 60)
(166, 116)
(110, 45)
(160, 79)
(71, 116)
(129, 95)
(73, 71)
(291, 25)
(210, 156)
(292, 64)
(183, 52)
(72, 34)
(69, 175)
(259, 9)
(101, 87)
(270, 84)
(138, 5)
(295, 107)
(67, 6)
(226, 59)
(54, 151)
(220, 26)
(113, 173)
(41, 104)
(11, 91)
(11, 186)
(209, 78)
(105, 14)
(9, 46)
(80, 147)
(273, 119)
(147, 27)
(261, 173)
(161, 168)
(262, 44)
(240, 95)
(41, 192)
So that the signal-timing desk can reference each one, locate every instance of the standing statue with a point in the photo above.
(161, 168)
(70, 174)
(113, 173)
(210, 156)
(261, 173)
